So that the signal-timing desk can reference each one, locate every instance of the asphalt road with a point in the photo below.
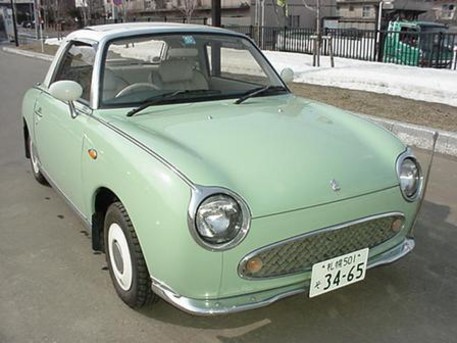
(53, 288)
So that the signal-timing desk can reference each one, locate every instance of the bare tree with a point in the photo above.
(187, 8)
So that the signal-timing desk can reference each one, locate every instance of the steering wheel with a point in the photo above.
(134, 87)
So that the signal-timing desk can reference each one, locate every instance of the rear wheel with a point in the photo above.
(35, 163)
(125, 259)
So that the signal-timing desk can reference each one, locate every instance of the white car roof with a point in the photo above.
(110, 31)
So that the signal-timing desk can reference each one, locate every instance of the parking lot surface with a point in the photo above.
(53, 288)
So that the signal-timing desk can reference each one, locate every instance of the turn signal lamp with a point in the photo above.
(254, 265)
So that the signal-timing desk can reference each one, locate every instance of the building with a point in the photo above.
(88, 11)
(444, 11)
(23, 8)
(234, 12)
(364, 14)
(291, 13)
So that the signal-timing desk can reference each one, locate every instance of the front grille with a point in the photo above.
(298, 254)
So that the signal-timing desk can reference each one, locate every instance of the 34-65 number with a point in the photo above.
(354, 273)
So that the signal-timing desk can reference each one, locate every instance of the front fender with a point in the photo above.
(157, 200)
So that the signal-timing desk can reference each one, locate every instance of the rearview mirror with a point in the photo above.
(66, 90)
(287, 75)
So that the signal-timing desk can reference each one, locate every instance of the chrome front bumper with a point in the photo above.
(208, 307)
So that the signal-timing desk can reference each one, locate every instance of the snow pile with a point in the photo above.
(427, 84)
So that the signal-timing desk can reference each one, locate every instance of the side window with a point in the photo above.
(77, 65)
(404, 34)
(409, 36)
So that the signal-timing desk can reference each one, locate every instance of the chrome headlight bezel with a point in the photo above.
(408, 157)
(200, 194)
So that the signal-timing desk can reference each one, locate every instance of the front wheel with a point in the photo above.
(125, 259)
(34, 162)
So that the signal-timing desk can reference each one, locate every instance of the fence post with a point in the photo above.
(284, 36)
(275, 38)
(454, 52)
(330, 50)
(262, 37)
(380, 52)
(440, 54)
(314, 38)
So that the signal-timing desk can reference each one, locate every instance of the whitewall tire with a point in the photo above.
(125, 260)
(35, 162)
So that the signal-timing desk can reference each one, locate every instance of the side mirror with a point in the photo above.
(67, 90)
(287, 75)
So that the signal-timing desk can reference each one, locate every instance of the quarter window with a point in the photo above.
(77, 65)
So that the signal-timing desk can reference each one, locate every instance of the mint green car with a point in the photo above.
(204, 180)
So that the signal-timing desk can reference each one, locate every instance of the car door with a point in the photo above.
(59, 136)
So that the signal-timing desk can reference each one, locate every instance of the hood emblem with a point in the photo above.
(335, 185)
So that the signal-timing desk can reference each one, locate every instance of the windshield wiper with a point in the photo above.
(259, 90)
(163, 97)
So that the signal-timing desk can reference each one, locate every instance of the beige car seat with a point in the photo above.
(179, 71)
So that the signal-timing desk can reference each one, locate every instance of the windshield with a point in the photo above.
(435, 37)
(195, 67)
(433, 28)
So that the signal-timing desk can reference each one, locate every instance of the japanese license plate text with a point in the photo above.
(338, 272)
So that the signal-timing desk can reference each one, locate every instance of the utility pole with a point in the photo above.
(216, 13)
(318, 31)
(13, 14)
(216, 48)
(36, 15)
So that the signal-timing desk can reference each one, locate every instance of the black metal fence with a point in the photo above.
(426, 49)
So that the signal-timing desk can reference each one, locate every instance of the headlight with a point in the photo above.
(410, 176)
(219, 221)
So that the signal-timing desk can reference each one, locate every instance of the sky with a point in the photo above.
(427, 84)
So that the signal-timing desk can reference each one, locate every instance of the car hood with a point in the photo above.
(279, 153)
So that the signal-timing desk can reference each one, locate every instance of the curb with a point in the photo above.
(418, 136)
(410, 134)
(31, 54)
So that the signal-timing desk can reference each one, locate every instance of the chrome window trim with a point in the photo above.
(199, 194)
(405, 155)
(97, 74)
(244, 260)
